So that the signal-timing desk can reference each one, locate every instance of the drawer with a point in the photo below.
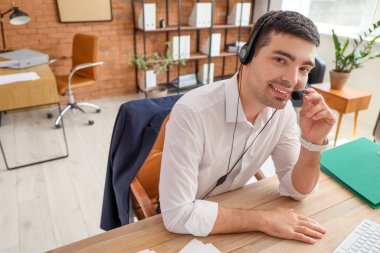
(334, 102)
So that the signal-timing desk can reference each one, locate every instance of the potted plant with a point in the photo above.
(152, 66)
(345, 62)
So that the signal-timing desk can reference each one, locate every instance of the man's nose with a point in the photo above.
(291, 76)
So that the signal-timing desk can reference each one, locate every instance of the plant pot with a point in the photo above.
(157, 92)
(338, 79)
(146, 79)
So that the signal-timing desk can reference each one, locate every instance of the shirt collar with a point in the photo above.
(231, 93)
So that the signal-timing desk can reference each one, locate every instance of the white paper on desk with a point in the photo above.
(9, 63)
(199, 247)
(147, 251)
(19, 77)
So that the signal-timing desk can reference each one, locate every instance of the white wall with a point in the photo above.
(366, 79)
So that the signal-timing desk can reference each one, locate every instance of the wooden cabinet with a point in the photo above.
(344, 101)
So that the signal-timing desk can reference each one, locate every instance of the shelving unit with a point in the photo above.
(178, 28)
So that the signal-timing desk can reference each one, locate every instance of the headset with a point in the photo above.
(245, 55)
(247, 51)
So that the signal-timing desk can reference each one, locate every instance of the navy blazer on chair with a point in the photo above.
(136, 128)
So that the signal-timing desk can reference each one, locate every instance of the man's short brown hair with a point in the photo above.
(284, 22)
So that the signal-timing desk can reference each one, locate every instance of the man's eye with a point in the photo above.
(305, 70)
(280, 60)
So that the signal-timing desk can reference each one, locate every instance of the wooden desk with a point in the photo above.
(30, 93)
(20, 95)
(344, 101)
(333, 206)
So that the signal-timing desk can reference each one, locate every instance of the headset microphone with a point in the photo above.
(298, 94)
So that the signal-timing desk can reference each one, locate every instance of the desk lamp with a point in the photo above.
(17, 17)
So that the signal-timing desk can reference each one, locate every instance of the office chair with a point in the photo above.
(84, 72)
(376, 130)
(144, 187)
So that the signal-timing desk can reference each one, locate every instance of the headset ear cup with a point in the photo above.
(243, 54)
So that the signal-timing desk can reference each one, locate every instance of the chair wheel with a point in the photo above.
(57, 126)
(91, 122)
(49, 115)
(98, 110)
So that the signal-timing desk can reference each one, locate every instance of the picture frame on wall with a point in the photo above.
(84, 10)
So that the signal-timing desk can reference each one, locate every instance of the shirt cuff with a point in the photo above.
(202, 218)
(197, 218)
(286, 188)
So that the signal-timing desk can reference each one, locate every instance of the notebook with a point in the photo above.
(356, 165)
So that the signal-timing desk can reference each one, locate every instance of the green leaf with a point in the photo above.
(345, 46)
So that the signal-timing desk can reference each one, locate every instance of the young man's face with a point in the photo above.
(279, 68)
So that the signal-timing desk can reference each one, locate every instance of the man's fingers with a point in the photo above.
(312, 224)
(326, 116)
(310, 229)
(303, 238)
(313, 110)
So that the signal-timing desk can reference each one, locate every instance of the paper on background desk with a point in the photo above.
(193, 246)
(19, 77)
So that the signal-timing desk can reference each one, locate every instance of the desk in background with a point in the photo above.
(27, 94)
(344, 101)
(332, 206)
(30, 93)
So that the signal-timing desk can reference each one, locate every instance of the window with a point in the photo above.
(346, 17)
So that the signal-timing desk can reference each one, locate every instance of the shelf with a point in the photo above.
(224, 54)
(219, 78)
(232, 26)
(172, 88)
(199, 56)
(191, 28)
(196, 57)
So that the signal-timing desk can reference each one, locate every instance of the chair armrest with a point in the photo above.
(83, 66)
(142, 198)
(260, 175)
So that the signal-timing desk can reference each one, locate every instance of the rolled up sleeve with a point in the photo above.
(183, 149)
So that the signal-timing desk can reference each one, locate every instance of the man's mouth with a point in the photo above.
(280, 92)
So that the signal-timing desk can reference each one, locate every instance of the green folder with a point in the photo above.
(356, 165)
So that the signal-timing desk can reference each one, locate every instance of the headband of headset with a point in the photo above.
(247, 51)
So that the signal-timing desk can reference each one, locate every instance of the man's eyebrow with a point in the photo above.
(293, 58)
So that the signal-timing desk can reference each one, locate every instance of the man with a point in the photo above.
(220, 134)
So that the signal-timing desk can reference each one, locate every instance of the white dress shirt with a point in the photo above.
(197, 147)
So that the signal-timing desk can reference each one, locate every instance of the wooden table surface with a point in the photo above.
(332, 206)
(29, 93)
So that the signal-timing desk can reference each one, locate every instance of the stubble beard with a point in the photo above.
(264, 97)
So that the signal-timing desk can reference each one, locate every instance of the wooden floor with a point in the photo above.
(52, 204)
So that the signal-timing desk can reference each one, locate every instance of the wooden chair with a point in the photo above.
(144, 187)
(84, 72)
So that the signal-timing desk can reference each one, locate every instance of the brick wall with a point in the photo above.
(46, 34)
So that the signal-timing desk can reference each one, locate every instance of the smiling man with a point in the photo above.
(219, 135)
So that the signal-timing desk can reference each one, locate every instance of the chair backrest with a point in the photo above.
(144, 187)
(317, 73)
(85, 50)
(376, 130)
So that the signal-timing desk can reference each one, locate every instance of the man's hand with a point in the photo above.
(316, 118)
(285, 223)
